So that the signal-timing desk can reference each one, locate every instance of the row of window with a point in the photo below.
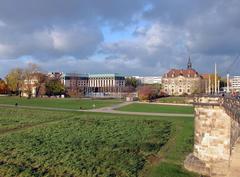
(180, 90)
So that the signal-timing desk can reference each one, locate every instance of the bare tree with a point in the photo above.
(31, 76)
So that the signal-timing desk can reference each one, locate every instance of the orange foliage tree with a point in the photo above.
(147, 92)
(3, 87)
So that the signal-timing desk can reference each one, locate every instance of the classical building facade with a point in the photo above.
(95, 83)
(182, 81)
(106, 82)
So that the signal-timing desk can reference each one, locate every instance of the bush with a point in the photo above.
(147, 92)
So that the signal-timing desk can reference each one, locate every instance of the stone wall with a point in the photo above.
(235, 132)
(212, 133)
(216, 131)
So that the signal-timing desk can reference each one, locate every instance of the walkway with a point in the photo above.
(110, 109)
(234, 169)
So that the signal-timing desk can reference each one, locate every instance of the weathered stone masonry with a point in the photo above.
(217, 128)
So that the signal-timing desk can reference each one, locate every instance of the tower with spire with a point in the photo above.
(189, 65)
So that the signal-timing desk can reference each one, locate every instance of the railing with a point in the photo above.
(229, 103)
(232, 107)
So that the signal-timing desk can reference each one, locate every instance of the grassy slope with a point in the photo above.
(141, 107)
(172, 154)
(58, 103)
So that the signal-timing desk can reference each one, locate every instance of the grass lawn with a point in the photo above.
(180, 100)
(92, 144)
(155, 108)
(59, 103)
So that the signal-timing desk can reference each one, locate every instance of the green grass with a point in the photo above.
(59, 103)
(170, 170)
(181, 100)
(92, 144)
(11, 119)
(156, 108)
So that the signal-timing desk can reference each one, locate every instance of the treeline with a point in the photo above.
(21, 81)
(145, 92)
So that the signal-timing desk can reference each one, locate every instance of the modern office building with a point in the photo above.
(75, 80)
(104, 84)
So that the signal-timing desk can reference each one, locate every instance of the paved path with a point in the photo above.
(234, 169)
(169, 104)
(102, 110)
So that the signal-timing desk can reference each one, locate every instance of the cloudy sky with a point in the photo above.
(132, 37)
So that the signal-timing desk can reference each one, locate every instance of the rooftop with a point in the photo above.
(94, 75)
(105, 75)
(182, 72)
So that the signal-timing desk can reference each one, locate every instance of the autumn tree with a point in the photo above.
(14, 80)
(147, 92)
(3, 87)
(54, 87)
(40, 84)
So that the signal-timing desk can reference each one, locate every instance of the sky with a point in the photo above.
(131, 37)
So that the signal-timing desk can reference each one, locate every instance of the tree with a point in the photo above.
(54, 87)
(129, 89)
(40, 85)
(3, 87)
(41, 90)
(147, 92)
(131, 81)
(14, 80)
(78, 92)
(32, 76)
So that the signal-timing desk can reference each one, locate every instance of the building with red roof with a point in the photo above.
(183, 81)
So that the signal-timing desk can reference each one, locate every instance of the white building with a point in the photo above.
(235, 83)
(29, 87)
(149, 79)
(152, 80)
